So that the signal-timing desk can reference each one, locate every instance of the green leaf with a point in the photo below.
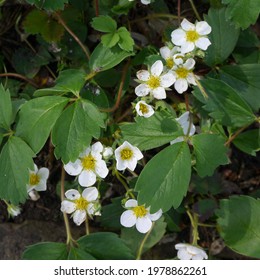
(46, 251)
(133, 238)
(126, 42)
(5, 108)
(36, 119)
(79, 254)
(15, 162)
(1, 137)
(239, 224)
(75, 128)
(224, 104)
(110, 40)
(223, 37)
(105, 246)
(104, 24)
(245, 80)
(210, 152)
(149, 133)
(165, 179)
(49, 4)
(242, 12)
(104, 58)
(248, 142)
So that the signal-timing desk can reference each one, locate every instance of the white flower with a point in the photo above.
(145, 2)
(191, 35)
(171, 56)
(143, 109)
(189, 252)
(79, 205)
(127, 156)
(107, 152)
(37, 181)
(139, 216)
(187, 127)
(88, 166)
(154, 81)
(13, 210)
(184, 75)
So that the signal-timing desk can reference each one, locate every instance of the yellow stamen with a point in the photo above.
(143, 108)
(154, 82)
(192, 36)
(81, 204)
(88, 162)
(140, 211)
(34, 179)
(126, 154)
(182, 72)
(169, 62)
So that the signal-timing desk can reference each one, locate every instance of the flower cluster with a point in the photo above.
(187, 42)
(190, 252)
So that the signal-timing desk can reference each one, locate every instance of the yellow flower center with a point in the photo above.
(88, 162)
(126, 154)
(81, 203)
(140, 211)
(34, 179)
(182, 72)
(169, 62)
(143, 108)
(154, 82)
(192, 36)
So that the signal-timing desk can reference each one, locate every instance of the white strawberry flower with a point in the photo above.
(154, 81)
(107, 152)
(88, 166)
(13, 210)
(190, 36)
(184, 75)
(143, 109)
(188, 128)
(190, 252)
(171, 56)
(81, 205)
(145, 2)
(127, 156)
(138, 216)
(37, 181)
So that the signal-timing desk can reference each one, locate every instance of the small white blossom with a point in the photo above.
(171, 56)
(138, 216)
(154, 82)
(127, 156)
(186, 125)
(88, 166)
(81, 205)
(191, 35)
(143, 109)
(107, 152)
(13, 210)
(189, 252)
(145, 2)
(184, 75)
(37, 181)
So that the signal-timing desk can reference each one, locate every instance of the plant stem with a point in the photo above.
(235, 135)
(87, 226)
(120, 179)
(194, 224)
(195, 10)
(140, 250)
(62, 22)
(202, 90)
(96, 8)
(19, 76)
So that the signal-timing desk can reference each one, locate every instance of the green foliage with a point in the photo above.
(242, 12)
(133, 238)
(104, 24)
(15, 162)
(5, 108)
(210, 152)
(75, 128)
(223, 37)
(146, 134)
(224, 104)
(165, 179)
(239, 224)
(49, 4)
(36, 119)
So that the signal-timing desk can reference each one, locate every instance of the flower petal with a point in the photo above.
(143, 75)
(128, 218)
(137, 153)
(187, 47)
(131, 203)
(203, 43)
(101, 168)
(72, 194)
(191, 79)
(97, 147)
(177, 140)
(120, 164)
(186, 25)
(178, 37)
(157, 215)
(87, 178)
(43, 173)
(90, 194)
(34, 195)
(183, 254)
(42, 186)
(143, 224)
(189, 63)
(142, 90)
(73, 168)
(79, 217)
(167, 80)
(157, 68)
(203, 28)
(181, 85)
(159, 93)
(180, 246)
(131, 164)
(68, 206)
(165, 52)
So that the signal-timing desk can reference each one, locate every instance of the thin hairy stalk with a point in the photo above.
(96, 8)
(121, 180)
(19, 76)
(194, 224)
(87, 226)
(195, 10)
(140, 250)
(235, 135)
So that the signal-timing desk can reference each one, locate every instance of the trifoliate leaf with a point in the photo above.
(126, 42)
(104, 24)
